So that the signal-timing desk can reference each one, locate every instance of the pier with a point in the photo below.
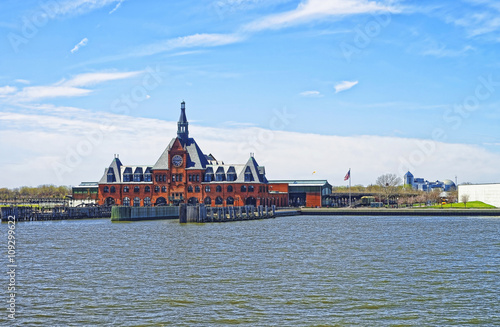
(197, 213)
(28, 213)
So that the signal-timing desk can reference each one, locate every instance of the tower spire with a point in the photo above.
(182, 125)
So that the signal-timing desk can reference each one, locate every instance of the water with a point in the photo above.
(296, 271)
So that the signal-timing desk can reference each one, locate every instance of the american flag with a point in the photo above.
(348, 175)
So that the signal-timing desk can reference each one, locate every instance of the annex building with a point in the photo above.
(184, 174)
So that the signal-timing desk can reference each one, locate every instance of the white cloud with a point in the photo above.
(309, 10)
(7, 90)
(80, 44)
(75, 7)
(344, 85)
(190, 41)
(310, 94)
(22, 81)
(138, 143)
(39, 92)
(116, 7)
(88, 79)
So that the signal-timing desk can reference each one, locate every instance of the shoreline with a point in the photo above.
(398, 212)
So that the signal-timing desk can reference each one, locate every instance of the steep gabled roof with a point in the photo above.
(162, 162)
(115, 167)
(195, 157)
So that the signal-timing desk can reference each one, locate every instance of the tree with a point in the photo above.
(388, 184)
(465, 198)
(452, 196)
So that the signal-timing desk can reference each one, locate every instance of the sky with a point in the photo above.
(313, 88)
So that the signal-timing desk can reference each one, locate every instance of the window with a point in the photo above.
(156, 178)
(147, 202)
(229, 188)
(164, 189)
(157, 189)
(207, 188)
(230, 201)
(218, 188)
(137, 189)
(113, 189)
(127, 178)
(137, 202)
(106, 189)
(111, 176)
(190, 178)
(147, 189)
(179, 178)
(190, 189)
(173, 178)
(148, 178)
(197, 178)
(248, 175)
(218, 200)
(137, 177)
(243, 188)
(250, 188)
(197, 189)
(125, 189)
(208, 200)
(126, 202)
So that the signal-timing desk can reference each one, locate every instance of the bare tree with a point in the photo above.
(465, 198)
(388, 184)
(452, 196)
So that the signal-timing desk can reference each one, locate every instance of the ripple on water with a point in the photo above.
(310, 271)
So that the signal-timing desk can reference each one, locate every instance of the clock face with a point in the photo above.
(177, 160)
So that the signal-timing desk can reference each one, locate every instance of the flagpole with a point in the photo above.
(349, 187)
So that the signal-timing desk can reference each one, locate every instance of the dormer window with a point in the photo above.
(111, 176)
(248, 175)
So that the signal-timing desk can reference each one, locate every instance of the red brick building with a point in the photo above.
(183, 174)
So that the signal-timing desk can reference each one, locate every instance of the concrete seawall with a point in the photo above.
(143, 213)
(399, 212)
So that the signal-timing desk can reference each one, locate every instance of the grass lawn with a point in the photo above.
(472, 204)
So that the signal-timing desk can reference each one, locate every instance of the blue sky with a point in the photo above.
(378, 86)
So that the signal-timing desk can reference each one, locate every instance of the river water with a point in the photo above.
(294, 271)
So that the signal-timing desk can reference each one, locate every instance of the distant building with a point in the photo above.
(424, 185)
(85, 193)
(487, 193)
(305, 193)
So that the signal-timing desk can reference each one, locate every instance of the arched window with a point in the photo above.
(125, 189)
(197, 189)
(230, 201)
(106, 189)
(218, 200)
(157, 189)
(190, 188)
(126, 202)
(147, 202)
(136, 189)
(137, 202)
(113, 189)
(208, 200)
(164, 189)
(147, 189)
(218, 188)
(250, 188)
(207, 188)
(243, 188)
(230, 188)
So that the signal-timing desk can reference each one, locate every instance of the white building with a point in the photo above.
(487, 193)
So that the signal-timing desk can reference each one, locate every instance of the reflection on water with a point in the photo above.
(308, 271)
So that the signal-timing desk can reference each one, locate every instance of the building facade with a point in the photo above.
(184, 174)
(305, 193)
(421, 184)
